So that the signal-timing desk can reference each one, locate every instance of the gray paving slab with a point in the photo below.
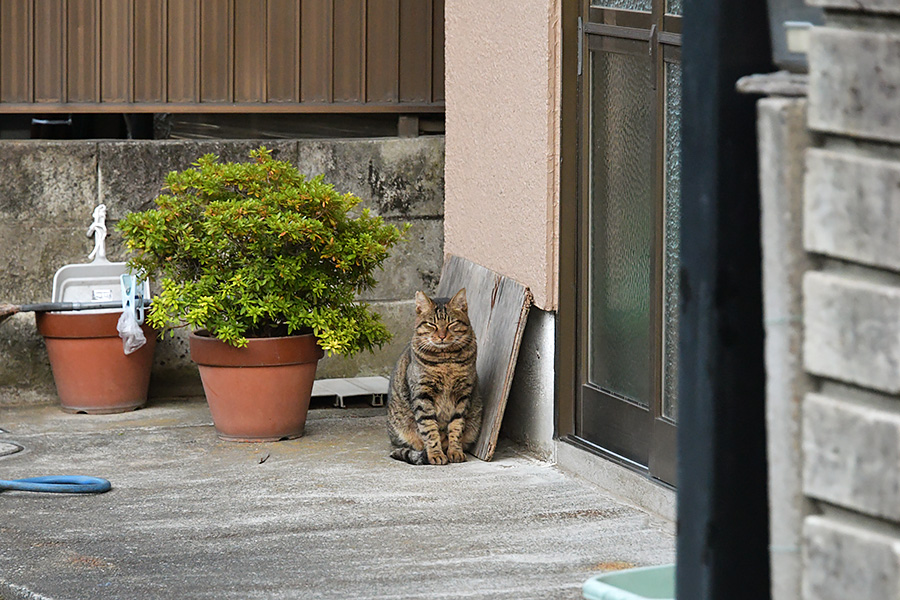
(328, 515)
(371, 389)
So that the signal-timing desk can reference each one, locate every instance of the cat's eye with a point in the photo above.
(429, 326)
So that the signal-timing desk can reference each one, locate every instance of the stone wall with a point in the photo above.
(48, 191)
(783, 140)
(851, 312)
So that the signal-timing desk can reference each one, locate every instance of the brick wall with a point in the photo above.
(851, 305)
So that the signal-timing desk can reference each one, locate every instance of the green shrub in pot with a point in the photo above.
(256, 249)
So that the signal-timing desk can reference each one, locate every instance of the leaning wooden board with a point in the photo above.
(498, 309)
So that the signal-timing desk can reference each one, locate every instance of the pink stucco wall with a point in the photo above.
(501, 169)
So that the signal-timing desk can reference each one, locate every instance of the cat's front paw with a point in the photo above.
(437, 458)
(456, 455)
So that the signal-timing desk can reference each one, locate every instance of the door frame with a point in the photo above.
(574, 50)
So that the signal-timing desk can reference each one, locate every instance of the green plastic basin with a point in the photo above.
(657, 583)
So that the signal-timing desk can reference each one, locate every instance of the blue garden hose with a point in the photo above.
(61, 484)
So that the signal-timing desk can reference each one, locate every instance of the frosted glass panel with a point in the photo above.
(672, 240)
(673, 7)
(646, 5)
(621, 225)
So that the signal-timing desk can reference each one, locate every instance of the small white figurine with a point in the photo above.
(98, 230)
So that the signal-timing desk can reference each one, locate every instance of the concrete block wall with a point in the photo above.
(851, 305)
(48, 191)
(783, 140)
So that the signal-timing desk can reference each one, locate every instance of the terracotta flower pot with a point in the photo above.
(261, 392)
(91, 370)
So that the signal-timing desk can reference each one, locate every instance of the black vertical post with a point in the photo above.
(722, 482)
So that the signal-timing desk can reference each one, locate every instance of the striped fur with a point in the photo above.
(434, 413)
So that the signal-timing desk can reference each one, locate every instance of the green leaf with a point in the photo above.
(256, 248)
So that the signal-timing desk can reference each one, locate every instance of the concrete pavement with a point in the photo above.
(328, 515)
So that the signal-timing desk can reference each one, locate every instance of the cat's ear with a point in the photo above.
(459, 301)
(423, 303)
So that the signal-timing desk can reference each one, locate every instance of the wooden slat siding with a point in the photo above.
(415, 51)
(316, 50)
(250, 50)
(98, 64)
(81, 51)
(283, 51)
(382, 50)
(115, 51)
(49, 56)
(437, 53)
(16, 50)
(349, 50)
(313, 56)
(183, 58)
(224, 108)
(216, 43)
(149, 50)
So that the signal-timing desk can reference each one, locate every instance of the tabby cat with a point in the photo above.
(434, 413)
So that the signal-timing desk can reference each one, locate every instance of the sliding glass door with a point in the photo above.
(628, 230)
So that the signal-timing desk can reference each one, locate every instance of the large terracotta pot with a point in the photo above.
(259, 393)
(91, 370)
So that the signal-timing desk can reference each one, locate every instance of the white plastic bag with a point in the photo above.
(131, 333)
